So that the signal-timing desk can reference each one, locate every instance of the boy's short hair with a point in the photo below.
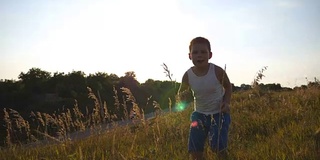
(200, 40)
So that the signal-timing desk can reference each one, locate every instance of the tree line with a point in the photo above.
(39, 90)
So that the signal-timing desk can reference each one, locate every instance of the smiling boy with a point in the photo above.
(211, 89)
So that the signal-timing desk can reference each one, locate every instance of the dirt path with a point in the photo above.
(91, 131)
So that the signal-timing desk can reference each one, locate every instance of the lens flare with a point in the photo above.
(181, 106)
(194, 124)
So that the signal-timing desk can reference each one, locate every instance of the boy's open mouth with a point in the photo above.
(200, 61)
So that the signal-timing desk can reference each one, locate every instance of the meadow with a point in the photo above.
(265, 125)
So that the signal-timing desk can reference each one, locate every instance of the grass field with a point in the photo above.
(271, 125)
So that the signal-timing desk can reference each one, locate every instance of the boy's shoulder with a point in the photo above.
(216, 67)
(219, 72)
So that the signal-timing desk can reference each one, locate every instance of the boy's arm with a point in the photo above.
(184, 88)
(224, 80)
(228, 89)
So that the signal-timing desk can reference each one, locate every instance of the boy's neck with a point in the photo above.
(201, 70)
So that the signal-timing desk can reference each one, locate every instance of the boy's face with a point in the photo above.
(200, 54)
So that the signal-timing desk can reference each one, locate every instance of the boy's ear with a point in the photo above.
(190, 57)
(210, 55)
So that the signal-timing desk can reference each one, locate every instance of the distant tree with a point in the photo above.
(34, 80)
(10, 92)
(77, 83)
(130, 74)
(303, 86)
(273, 87)
(113, 79)
(95, 81)
(235, 88)
(315, 83)
(56, 83)
(245, 86)
(129, 80)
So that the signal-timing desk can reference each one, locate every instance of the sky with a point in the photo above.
(117, 36)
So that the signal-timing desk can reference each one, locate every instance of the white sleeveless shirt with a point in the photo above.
(207, 91)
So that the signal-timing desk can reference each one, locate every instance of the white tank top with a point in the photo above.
(207, 91)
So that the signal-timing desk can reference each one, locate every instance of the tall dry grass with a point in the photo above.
(277, 125)
(273, 125)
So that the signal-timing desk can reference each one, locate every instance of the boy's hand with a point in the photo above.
(183, 96)
(225, 108)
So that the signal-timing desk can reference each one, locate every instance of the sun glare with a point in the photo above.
(181, 106)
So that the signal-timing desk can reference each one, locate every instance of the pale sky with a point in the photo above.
(116, 36)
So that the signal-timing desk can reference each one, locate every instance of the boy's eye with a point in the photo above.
(203, 51)
(199, 51)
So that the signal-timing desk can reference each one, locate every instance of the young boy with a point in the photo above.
(211, 89)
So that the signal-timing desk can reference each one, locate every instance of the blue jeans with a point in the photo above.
(207, 126)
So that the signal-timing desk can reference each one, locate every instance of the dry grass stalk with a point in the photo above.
(317, 141)
(157, 109)
(116, 100)
(170, 104)
(78, 118)
(130, 98)
(125, 110)
(62, 131)
(167, 72)
(106, 116)
(8, 127)
(259, 77)
(96, 113)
